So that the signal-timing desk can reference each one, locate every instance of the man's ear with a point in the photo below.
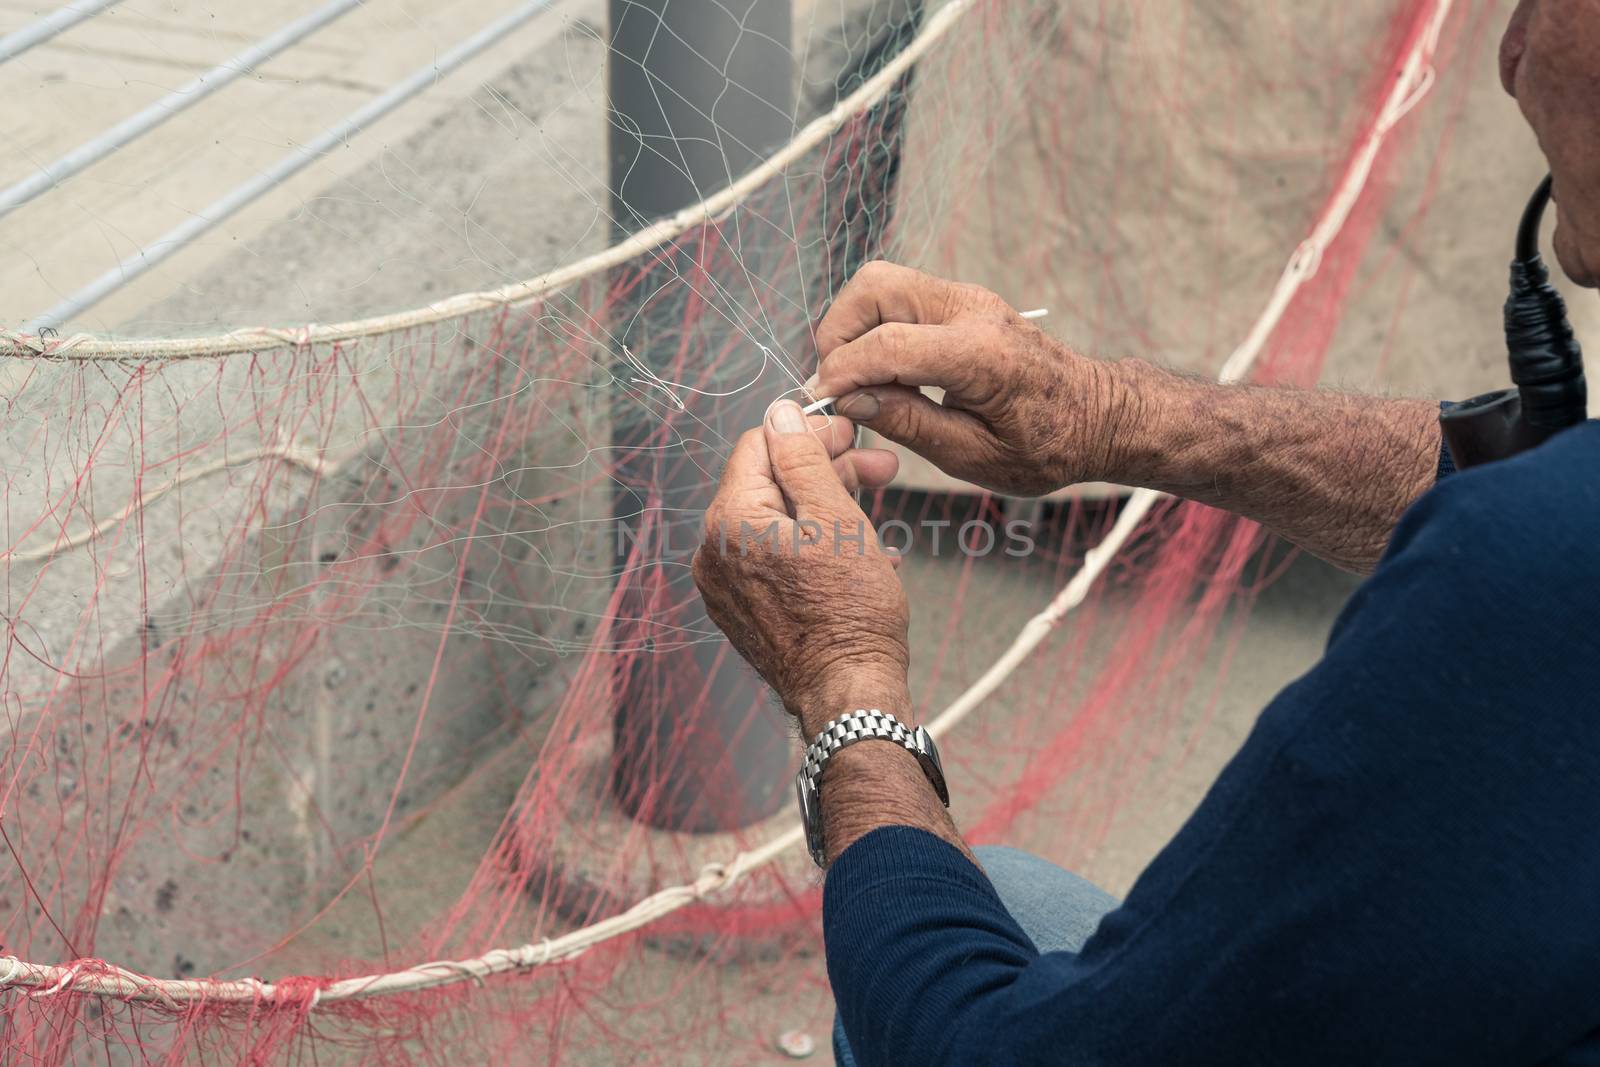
(1513, 44)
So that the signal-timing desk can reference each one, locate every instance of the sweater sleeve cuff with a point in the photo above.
(898, 854)
(915, 937)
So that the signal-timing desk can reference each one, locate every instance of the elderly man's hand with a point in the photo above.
(792, 571)
(1022, 413)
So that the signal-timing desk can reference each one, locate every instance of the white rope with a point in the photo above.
(294, 455)
(1413, 78)
(88, 347)
(61, 983)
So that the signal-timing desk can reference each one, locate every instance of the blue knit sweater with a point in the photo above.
(1400, 866)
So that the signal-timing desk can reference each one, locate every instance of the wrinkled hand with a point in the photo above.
(792, 571)
(1022, 414)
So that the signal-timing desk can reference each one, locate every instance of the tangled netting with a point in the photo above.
(317, 637)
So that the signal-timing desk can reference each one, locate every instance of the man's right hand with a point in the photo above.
(1022, 413)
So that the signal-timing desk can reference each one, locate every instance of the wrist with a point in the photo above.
(1149, 438)
(1113, 430)
(883, 686)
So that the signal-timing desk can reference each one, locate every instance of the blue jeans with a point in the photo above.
(1055, 908)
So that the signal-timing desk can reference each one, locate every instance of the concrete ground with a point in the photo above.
(474, 186)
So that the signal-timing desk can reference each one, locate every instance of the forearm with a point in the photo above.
(1330, 472)
(873, 784)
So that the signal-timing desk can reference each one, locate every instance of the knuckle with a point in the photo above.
(991, 332)
(909, 422)
(876, 270)
(986, 300)
(830, 335)
(713, 520)
(993, 340)
(803, 456)
(895, 343)
(892, 340)
(845, 360)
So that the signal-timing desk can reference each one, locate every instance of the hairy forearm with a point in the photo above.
(873, 783)
(1330, 472)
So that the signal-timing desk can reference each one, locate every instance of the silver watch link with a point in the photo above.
(863, 724)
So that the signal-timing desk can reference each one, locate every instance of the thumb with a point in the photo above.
(802, 466)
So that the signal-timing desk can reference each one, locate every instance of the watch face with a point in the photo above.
(928, 755)
(925, 745)
(810, 817)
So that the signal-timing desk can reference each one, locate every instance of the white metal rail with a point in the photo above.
(178, 100)
(19, 41)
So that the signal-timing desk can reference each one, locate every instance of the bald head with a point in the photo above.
(1550, 61)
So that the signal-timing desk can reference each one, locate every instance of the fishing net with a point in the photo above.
(357, 705)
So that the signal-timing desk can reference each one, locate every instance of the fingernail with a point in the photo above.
(785, 416)
(811, 385)
(859, 406)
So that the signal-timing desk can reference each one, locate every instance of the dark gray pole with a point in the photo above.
(700, 92)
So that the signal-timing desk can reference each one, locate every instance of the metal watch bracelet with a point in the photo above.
(863, 724)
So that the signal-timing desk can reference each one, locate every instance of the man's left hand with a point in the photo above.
(792, 571)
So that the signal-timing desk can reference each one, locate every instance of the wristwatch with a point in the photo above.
(863, 724)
